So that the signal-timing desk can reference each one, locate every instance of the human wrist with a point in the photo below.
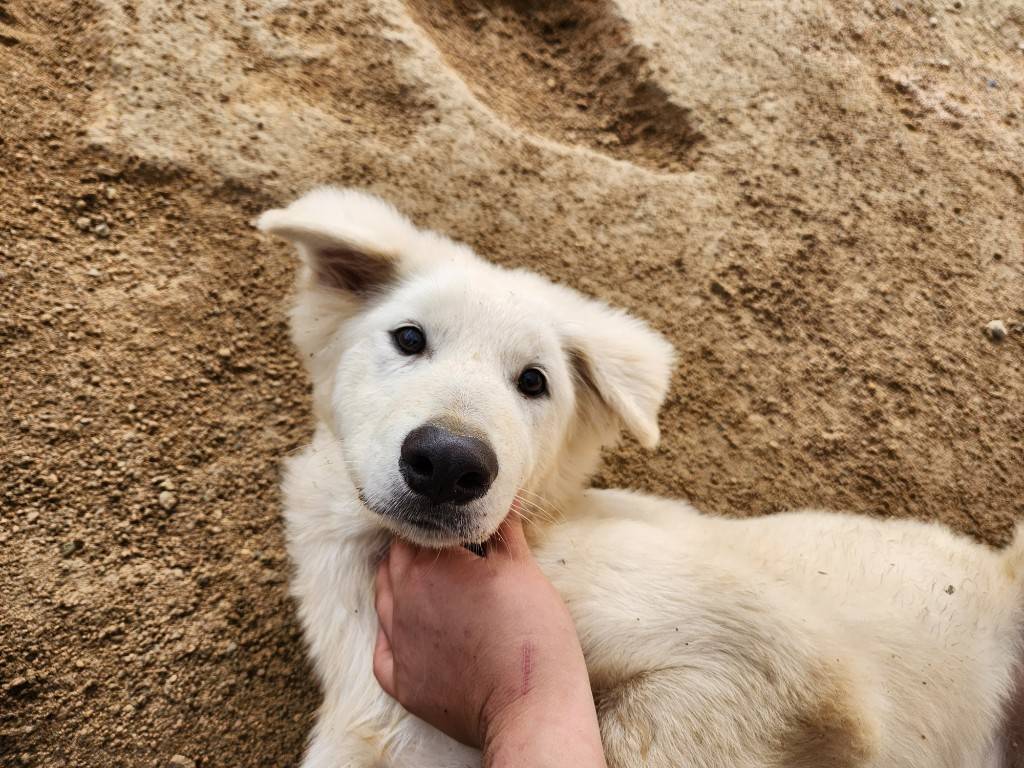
(550, 727)
(548, 677)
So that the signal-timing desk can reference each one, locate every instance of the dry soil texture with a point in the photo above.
(821, 202)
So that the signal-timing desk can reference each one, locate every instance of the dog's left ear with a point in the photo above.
(626, 366)
(351, 241)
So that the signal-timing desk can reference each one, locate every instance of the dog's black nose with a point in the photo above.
(446, 467)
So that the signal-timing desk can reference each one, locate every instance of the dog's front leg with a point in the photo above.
(346, 751)
(359, 725)
(409, 743)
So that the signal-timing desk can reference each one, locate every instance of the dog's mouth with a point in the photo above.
(477, 548)
(427, 524)
(423, 523)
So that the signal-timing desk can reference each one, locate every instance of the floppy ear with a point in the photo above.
(626, 366)
(350, 241)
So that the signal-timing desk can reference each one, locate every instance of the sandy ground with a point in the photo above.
(820, 203)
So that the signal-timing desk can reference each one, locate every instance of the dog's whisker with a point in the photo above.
(538, 497)
(536, 511)
(533, 516)
(437, 556)
(546, 502)
(501, 539)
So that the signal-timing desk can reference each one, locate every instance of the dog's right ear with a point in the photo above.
(351, 241)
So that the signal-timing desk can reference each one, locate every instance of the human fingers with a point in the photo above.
(401, 556)
(384, 597)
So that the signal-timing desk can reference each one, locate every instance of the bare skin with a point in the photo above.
(484, 649)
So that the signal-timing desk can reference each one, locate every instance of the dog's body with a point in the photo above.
(799, 640)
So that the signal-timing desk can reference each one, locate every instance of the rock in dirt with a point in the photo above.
(996, 330)
(180, 761)
(167, 500)
(16, 686)
(69, 548)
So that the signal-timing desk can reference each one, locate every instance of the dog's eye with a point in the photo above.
(409, 339)
(532, 383)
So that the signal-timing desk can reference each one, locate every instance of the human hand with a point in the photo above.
(485, 650)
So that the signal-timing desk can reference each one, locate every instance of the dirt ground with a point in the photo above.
(820, 202)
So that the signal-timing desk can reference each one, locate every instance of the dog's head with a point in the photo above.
(453, 385)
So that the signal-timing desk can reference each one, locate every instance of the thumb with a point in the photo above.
(384, 663)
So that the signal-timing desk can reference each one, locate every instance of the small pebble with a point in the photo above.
(68, 548)
(180, 761)
(167, 500)
(83, 222)
(16, 685)
(996, 330)
(102, 230)
(932, 21)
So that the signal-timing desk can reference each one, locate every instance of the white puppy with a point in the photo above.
(445, 387)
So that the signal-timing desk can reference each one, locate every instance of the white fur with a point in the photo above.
(802, 639)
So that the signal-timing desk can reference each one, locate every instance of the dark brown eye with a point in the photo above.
(409, 339)
(532, 383)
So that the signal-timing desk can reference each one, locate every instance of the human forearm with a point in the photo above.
(559, 731)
